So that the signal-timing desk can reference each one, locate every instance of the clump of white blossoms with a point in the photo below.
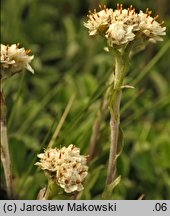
(65, 166)
(14, 60)
(121, 26)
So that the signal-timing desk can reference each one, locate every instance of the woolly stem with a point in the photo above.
(114, 128)
(114, 106)
(5, 156)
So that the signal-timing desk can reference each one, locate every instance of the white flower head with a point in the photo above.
(14, 60)
(150, 27)
(65, 166)
(49, 159)
(98, 22)
(122, 26)
(128, 16)
(119, 34)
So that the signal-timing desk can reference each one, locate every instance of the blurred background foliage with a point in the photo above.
(68, 62)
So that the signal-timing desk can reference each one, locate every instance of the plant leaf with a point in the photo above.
(107, 194)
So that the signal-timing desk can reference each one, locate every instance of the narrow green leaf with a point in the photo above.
(108, 191)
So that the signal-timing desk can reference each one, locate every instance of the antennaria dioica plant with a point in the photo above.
(126, 33)
(13, 60)
(50, 50)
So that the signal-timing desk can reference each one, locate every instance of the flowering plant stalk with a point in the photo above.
(5, 157)
(12, 60)
(126, 33)
(114, 107)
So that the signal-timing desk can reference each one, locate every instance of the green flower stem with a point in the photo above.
(5, 156)
(52, 190)
(114, 106)
(114, 128)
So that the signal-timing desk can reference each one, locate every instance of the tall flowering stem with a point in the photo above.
(5, 156)
(126, 33)
(13, 60)
(114, 107)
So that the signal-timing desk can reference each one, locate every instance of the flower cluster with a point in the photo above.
(65, 166)
(121, 26)
(14, 60)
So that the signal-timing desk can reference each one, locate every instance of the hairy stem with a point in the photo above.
(5, 156)
(52, 190)
(114, 105)
(114, 128)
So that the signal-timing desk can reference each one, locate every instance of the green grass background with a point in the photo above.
(68, 62)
